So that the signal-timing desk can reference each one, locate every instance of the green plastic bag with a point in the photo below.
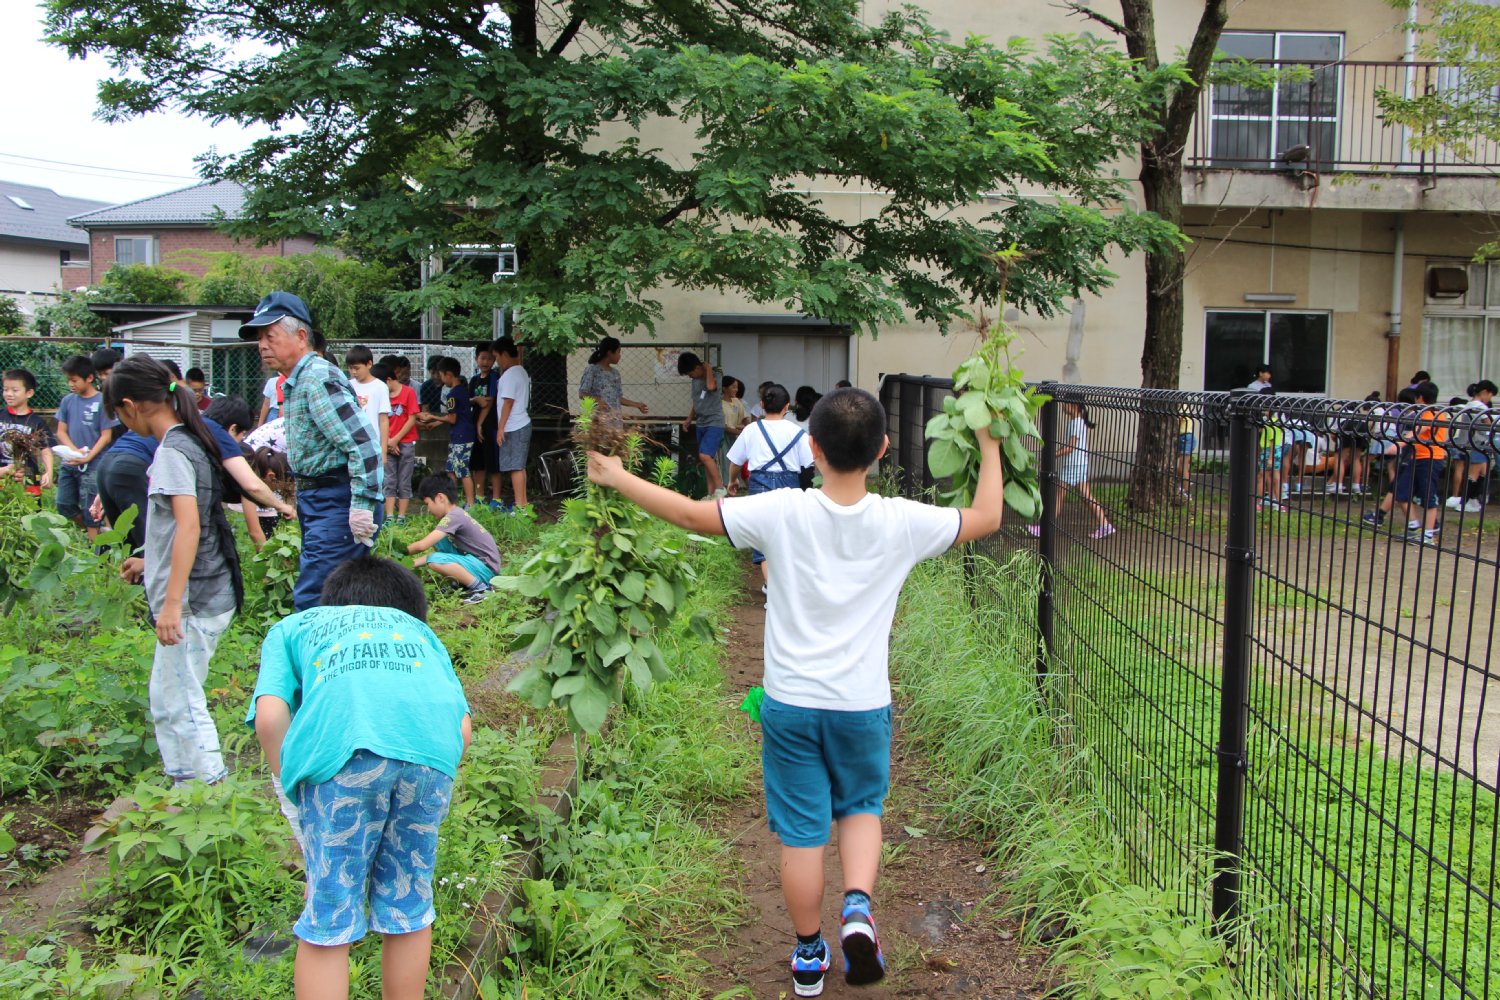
(751, 704)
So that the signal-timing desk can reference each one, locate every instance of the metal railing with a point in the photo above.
(1325, 118)
(1278, 687)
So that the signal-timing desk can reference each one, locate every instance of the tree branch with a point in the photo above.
(687, 204)
(569, 33)
(1184, 103)
(1077, 8)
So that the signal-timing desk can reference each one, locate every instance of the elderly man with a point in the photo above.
(334, 455)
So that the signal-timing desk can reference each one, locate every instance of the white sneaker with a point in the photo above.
(1474, 507)
(1453, 503)
(1333, 489)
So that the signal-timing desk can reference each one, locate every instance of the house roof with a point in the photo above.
(196, 205)
(46, 221)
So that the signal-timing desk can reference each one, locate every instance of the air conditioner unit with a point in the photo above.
(1447, 282)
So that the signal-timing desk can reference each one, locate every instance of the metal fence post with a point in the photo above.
(1047, 548)
(1239, 555)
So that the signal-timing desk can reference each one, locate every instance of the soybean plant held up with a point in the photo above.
(611, 579)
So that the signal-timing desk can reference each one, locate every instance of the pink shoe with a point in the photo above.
(1034, 530)
(1104, 532)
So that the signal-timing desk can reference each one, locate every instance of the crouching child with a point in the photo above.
(839, 555)
(461, 550)
(363, 721)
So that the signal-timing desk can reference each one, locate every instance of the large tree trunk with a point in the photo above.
(1154, 478)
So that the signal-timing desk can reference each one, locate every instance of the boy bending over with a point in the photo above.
(363, 722)
(462, 550)
(842, 554)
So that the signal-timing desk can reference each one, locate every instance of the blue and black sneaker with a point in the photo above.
(809, 962)
(863, 962)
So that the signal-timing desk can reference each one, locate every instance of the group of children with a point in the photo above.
(363, 721)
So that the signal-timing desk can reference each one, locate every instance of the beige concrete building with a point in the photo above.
(1303, 207)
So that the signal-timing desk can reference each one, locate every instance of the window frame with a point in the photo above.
(1265, 342)
(1487, 314)
(1274, 118)
(151, 248)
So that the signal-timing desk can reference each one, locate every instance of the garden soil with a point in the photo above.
(937, 902)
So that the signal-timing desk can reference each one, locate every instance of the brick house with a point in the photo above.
(39, 252)
(153, 230)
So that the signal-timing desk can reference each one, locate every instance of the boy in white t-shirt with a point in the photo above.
(371, 391)
(842, 555)
(513, 424)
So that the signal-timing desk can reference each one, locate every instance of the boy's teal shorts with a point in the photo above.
(445, 552)
(821, 765)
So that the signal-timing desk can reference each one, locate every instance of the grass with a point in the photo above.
(635, 884)
(1356, 864)
(967, 683)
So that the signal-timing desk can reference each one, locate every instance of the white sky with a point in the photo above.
(47, 113)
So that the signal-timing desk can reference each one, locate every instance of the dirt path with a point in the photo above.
(936, 901)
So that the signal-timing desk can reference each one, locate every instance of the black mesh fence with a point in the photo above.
(1268, 624)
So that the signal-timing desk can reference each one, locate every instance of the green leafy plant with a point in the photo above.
(989, 392)
(270, 576)
(190, 859)
(611, 579)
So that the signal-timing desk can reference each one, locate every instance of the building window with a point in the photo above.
(1461, 332)
(135, 250)
(1296, 344)
(1256, 128)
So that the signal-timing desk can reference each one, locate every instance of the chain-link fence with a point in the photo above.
(231, 369)
(1285, 673)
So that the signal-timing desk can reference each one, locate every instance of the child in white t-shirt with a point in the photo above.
(826, 717)
(774, 450)
(371, 391)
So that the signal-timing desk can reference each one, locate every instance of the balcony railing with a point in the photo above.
(1324, 118)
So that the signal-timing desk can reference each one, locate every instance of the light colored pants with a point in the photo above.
(185, 732)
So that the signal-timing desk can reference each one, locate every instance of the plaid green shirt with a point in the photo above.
(326, 431)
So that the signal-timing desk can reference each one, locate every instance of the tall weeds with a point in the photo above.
(968, 689)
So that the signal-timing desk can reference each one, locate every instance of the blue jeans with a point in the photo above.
(323, 513)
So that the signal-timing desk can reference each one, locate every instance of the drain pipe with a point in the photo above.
(1393, 337)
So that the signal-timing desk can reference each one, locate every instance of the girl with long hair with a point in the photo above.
(189, 563)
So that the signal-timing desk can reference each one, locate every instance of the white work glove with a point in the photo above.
(362, 526)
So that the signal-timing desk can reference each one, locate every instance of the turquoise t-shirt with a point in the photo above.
(360, 678)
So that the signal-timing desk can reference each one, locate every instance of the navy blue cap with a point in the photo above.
(276, 306)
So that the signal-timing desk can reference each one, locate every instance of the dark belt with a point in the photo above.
(337, 478)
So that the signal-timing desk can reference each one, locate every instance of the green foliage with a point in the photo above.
(39, 975)
(12, 320)
(612, 578)
(990, 392)
(636, 889)
(192, 857)
(547, 138)
(349, 299)
(270, 575)
(967, 676)
(144, 283)
(1134, 942)
(69, 316)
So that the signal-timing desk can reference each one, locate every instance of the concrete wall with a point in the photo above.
(32, 274)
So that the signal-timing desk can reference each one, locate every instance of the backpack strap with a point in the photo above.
(780, 456)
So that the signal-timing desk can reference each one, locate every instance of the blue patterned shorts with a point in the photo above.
(370, 836)
(458, 459)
